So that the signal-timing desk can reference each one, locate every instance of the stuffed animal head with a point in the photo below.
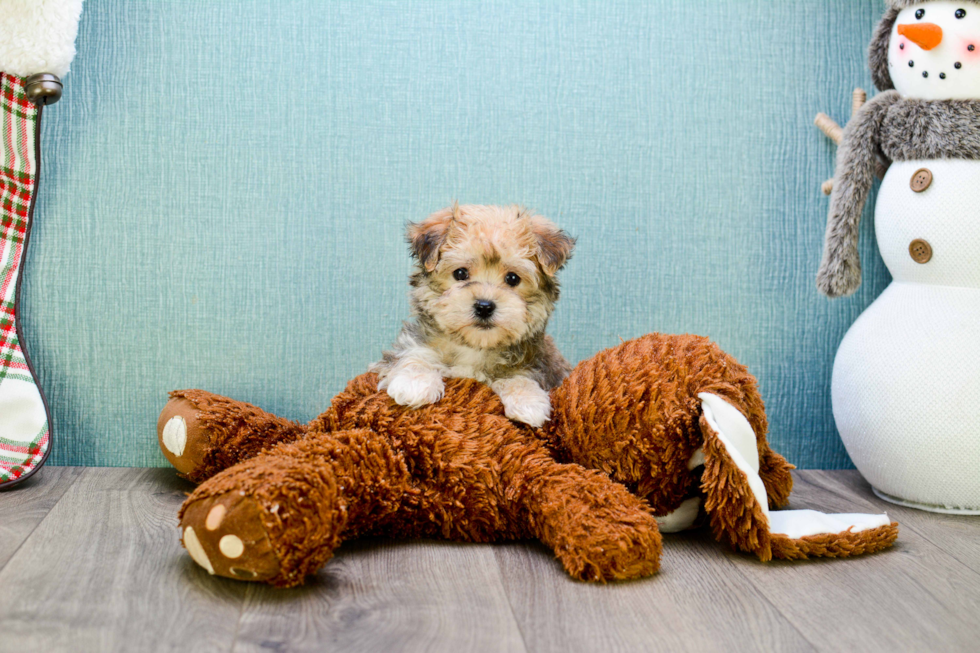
(928, 50)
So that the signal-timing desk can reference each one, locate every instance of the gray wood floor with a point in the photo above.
(90, 561)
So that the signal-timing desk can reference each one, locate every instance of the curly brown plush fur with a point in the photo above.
(276, 498)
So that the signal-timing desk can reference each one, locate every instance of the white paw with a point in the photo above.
(524, 401)
(416, 389)
(533, 413)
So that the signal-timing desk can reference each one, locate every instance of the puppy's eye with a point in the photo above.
(920, 13)
(960, 13)
(512, 279)
(461, 274)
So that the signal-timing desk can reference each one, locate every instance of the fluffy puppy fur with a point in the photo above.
(483, 289)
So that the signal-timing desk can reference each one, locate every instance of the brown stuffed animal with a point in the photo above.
(665, 426)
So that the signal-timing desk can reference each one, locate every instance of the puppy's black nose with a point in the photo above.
(484, 308)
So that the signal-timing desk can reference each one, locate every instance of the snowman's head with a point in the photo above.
(929, 50)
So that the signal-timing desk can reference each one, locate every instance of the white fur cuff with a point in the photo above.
(38, 36)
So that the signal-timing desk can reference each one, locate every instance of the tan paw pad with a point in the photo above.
(231, 546)
(175, 435)
(215, 516)
(194, 547)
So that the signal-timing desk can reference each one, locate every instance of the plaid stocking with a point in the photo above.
(24, 438)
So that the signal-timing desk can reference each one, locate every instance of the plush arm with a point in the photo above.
(202, 433)
(840, 269)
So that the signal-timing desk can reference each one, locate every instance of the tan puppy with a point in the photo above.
(482, 292)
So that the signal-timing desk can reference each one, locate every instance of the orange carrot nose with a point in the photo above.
(925, 35)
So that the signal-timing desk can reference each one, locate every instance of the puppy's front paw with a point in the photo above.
(416, 389)
(534, 413)
(524, 400)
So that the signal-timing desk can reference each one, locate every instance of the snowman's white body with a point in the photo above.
(906, 380)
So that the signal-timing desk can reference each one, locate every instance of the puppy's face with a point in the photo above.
(486, 274)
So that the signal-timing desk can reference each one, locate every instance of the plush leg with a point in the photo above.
(278, 516)
(486, 478)
(738, 506)
(632, 411)
(597, 528)
(202, 433)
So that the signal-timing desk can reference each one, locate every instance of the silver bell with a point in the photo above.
(43, 89)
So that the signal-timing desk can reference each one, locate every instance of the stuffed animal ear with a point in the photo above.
(426, 238)
(737, 501)
(554, 245)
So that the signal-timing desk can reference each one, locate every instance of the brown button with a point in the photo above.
(920, 250)
(921, 180)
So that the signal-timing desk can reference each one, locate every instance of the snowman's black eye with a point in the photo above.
(512, 279)
(920, 13)
(461, 274)
(961, 13)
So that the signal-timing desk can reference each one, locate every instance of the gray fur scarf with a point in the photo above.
(895, 129)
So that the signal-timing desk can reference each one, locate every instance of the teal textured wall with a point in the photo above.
(226, 183)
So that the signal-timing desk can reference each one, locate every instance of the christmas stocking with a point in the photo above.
(37, 42)
(24, 436)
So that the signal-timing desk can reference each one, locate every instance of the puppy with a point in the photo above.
(482, 291)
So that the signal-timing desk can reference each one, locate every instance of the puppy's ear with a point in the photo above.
(426, 238)
(554, 245)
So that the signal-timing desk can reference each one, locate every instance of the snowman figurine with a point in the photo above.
(906, 380)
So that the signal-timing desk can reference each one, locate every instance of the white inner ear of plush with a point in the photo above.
(738, 438)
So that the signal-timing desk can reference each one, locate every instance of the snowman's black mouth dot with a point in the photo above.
(925, 73)
(971, 48)
(901, 46)
(911, 64)
(957, 65)
(942, 75)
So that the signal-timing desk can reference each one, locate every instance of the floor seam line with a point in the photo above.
(769, 602)
(241, 616)
(45, 518)
(510, 605)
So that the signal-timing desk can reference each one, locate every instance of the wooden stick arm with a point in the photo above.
(829, 127)
(858, 100)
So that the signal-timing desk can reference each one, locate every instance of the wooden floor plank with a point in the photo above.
(380, 595)
(105, 572)
(957, 535)
(693, 604)
(25, 505)
(102, 570)
(914, 596)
